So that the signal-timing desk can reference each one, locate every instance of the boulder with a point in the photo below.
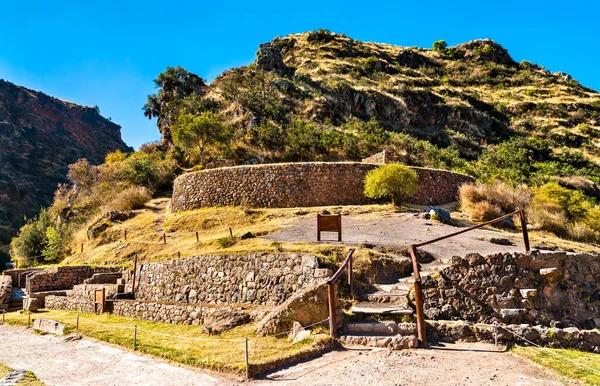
(49, 326)
(31, 304)
(302, 335)
(223, 320)
(437, 213)
(306, 307)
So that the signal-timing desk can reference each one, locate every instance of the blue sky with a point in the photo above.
(107, 53)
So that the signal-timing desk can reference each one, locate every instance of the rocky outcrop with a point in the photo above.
(108, 220)
(534, 288)
(305, 307)
(39, 137)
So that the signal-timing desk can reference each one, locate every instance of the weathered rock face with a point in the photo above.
(258, 278)
(305, 307)
(107, 220)
(287, 185)
(269, 58)
(39, 137)
(514, 288)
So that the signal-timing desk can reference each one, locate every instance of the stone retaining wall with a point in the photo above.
(63, 278)
(300, 185)
(258, 278)
(5, 291)
(80, 298)
(534, 288)
(174, 313)
(19, 275)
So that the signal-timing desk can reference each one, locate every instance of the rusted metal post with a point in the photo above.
(134, 275)
(331, 302)
(524, 227)
(421, 328)
(164, 238)
(350, 281)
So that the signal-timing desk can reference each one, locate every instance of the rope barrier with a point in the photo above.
(597, 371)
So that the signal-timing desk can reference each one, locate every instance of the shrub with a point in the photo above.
(31, 239)
(530, 92)
(130, 199)
(394, 181)
(486, 202)
(227, 241)
(440, 45)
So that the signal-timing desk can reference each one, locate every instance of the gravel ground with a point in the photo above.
(87, 362)
(401, 229)
(457, 364)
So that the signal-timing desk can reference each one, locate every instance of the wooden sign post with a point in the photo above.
(329, 223)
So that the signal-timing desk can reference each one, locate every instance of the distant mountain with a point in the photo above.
(39, 137)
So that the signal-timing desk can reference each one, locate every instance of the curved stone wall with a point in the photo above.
(299, 185)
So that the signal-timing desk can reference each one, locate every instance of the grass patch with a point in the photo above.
(224, 352)
(555, 359)
(28, 379)
(4, 371)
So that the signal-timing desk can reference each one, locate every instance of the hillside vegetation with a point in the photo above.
(324, 96)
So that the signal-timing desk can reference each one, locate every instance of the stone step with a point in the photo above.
(380, 309)
(390, 342)
(380, 328)
(395, 298)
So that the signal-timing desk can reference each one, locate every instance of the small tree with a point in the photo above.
(199, 131)
(440, 45)
(394, 181)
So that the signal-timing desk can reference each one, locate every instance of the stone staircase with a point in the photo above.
(16, 299)
(387, 299)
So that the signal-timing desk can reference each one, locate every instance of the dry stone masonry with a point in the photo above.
(62, 278)
(5, 291)
(300, 185)
(543, 289)
(257, 278)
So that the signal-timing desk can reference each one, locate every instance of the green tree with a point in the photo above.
(31, 239)
(174, 84)
(57, 240)
(395, 181)
(199, 131)
(440, 45)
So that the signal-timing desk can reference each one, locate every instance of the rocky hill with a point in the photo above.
(39, 137)
(465, 100)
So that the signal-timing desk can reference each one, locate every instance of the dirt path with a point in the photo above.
(87, 362)
(400, 229)
(460, 364)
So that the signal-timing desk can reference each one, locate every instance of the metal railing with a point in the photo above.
(421, 327)
(331, 291)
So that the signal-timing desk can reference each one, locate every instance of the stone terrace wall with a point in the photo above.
(543, 289)
(19, 275)
(5, 291)
(61, 278)
(300, 185)
(260, 278)
(80, 298)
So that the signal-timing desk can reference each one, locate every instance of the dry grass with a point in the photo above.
(224, 352)
(130, 199)
(145, 233)
(4, 371)
(486, 202)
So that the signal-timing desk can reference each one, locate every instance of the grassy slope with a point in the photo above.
(555, 359)
(224, 352)
(144, 234)
(28, 379)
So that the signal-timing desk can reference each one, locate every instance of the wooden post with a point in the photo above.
(339, 227)
(81, 247)
(134, 275)
(164, 238)
(331, 303)
(178, 255)
(524, 227)
(247, 361)
(421, 328)
(230, 232)
(77, 324)
(29, 319)
(350, 278)
(3, 316)
(318, 227)
(134, 337)
(125, 234)
(197, 238)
